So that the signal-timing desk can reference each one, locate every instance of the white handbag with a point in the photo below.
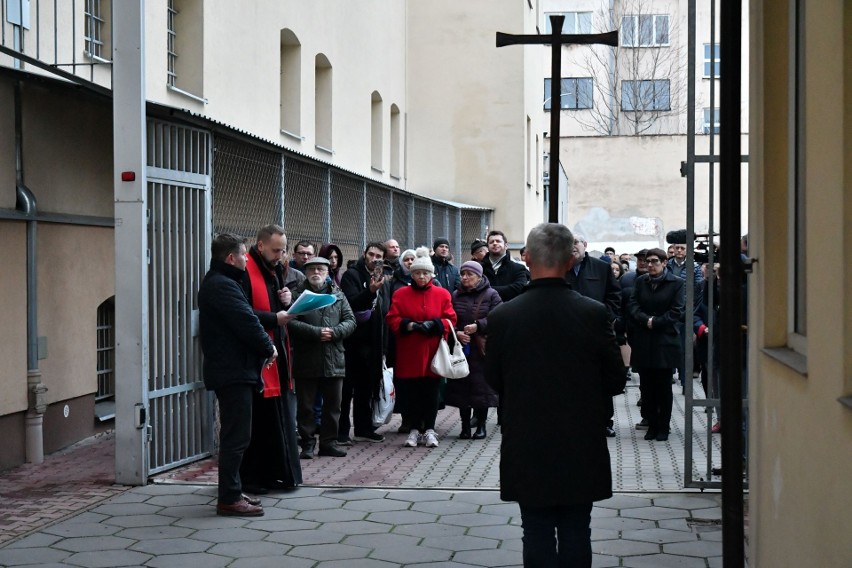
(450, 362)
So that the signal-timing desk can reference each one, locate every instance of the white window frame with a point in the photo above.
(711, 120)
(572, 22)
(631, 35)
(171, 53)
(94, 30)
(709, 60)
(653, 84)
(565, 91)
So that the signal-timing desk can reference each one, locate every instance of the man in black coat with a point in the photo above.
(236, 348)
(594, 279)
(570, 361)
(504, 274)
(363, 349)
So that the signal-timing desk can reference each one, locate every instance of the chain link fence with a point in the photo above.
(253, 187)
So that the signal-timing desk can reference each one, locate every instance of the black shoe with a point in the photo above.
(480, 433)
(662, 437)
(474, 422)
(610, 433)
(643, 425)
(331, 451)
(465, 434)
(650, 434)
(369, 437)
(639, 402)
(255, 489)
(344, 441)
(307, 451)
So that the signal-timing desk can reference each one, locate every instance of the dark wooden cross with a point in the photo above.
(556, 39)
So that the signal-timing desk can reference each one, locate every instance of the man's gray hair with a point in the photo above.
(550, 244)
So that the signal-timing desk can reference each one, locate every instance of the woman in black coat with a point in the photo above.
(656, 306)
(472, 300)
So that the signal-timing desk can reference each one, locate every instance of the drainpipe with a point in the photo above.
(25, 202)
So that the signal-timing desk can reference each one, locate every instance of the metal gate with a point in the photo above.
(179, 229)
(700, 467)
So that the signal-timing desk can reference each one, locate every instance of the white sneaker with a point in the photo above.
(413, 437)
(431, 439)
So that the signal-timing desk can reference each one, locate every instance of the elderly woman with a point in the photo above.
(655, 308)
(473, 299)
(419, 315)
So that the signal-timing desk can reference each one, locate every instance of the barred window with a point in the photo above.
(94, 38)
(106, 350)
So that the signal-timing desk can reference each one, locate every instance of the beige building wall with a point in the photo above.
(13, 343)
(364, 42)
(801, 433)
(468, 108)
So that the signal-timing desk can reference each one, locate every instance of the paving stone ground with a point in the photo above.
(382, 506)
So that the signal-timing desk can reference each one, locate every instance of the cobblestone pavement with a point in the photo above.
(383, 505)
(173, 525)
(637, 465)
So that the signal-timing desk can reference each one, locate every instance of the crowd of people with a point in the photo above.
(287, 382)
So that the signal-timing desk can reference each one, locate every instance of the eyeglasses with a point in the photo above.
(653, 261)
(304, 253)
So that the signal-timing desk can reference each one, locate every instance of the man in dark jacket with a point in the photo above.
(571, 357)
(360, 285)
(272, 458)
(446, 273)
(594, 279)
(318, 361)
(505, 275)
(236, 348)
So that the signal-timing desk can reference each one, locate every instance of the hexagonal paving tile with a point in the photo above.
(267, 561)
(329, 552)
(624, 547)
(109, 559)
(402, 517)
(699, 548)
(354, 494)
(69, 530)
(278, 525)
(459, 543)
(357, 527)
(327, 515)
(377, 505)
(410, 554)
(192, 560)
(119, 509)
(473, 520)
(453, 507)
(383, 540)
(660, 536)
(621, 523)
(89, 543)
(655, 513)
(419, 495)
(306, 537)
(663, 561)
(624, 502)
(179, 500)
(502, 509)
(430, 530)
(229, 535)
(247, 549)
(139, 521)
(479, 497)
(489, 558)
(161, 546)
(499, 532)
(309, 503)
(686, 501)
(153, 533)
(19, 556)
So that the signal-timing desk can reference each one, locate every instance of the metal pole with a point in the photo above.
(131, 244)
(731, 297)
(555, 108)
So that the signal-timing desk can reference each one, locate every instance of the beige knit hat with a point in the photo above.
(422, 261)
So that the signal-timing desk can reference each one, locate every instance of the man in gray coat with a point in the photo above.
(571, 367)
(318, 361)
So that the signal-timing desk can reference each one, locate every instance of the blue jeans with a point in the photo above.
(558, 536)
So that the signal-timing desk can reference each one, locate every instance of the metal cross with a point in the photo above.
(556, 40)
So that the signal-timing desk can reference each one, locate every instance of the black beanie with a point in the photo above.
(440, 241)
(476, 245)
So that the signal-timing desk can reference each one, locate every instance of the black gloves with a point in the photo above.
(431, 327)
(428, 327)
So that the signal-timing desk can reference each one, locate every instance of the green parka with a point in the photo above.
(313, 358)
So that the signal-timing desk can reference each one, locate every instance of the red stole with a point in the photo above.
(260, 301)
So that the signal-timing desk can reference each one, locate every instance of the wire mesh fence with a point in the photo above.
(253, 186)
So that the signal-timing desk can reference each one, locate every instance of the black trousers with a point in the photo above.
(657, 398)
(331, 389)
(421, 395)
(357, 393)
(234, 436)
(558, 536)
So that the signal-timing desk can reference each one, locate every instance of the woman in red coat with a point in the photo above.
(419, 315)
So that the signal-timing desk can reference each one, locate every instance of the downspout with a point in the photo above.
(25, 202)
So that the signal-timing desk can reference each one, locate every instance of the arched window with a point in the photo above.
(322, 103)
(395, 141)
(291, 84)
(376, 131)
